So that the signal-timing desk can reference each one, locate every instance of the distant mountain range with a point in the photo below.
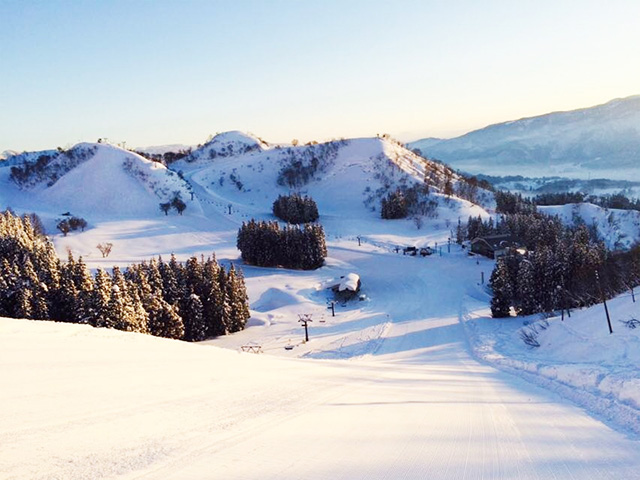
(601, 141)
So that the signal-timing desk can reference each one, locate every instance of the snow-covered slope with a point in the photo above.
(346, 178)
(94, 179)
(577, 356)
(161, 149)
(601, 141)
(619, 229)
(7, 154)
(227, 144)
(91, 403)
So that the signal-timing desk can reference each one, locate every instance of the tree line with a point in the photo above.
(300, 165)
(266, 244)
(616, 200)
(295, 209)
(190, 301)
(50, 167)
(507, 202)
(563, 267)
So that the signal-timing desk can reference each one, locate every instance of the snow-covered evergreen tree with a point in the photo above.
(100, 298)
(502, 291)
(195, 328)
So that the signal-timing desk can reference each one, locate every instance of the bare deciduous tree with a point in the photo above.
(105, 248)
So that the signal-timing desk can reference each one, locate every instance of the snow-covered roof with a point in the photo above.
(349, 282)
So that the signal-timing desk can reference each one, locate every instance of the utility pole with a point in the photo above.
(359, 240)
(332, 305)
(304, 319)
(606, 310)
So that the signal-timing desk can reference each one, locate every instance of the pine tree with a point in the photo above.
(224, 307)
(39, 307)
(139, 321)
(213, 299)
(10, 285)
(124, 311)
(164, 320)
(527, 292)
(192, 315)
(170, 287)
(66, 298)
(100, 299)
(502, 291)
(193, 276)
(23, 298)
(238, 301)
(84, 286)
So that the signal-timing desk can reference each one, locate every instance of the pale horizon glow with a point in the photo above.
(161, 72)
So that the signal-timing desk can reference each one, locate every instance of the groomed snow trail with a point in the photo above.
(416, 405)
(87, 403)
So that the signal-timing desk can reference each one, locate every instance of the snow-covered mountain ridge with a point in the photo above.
(89, 178)
(227, 144)
(601, 141)
(345, 177)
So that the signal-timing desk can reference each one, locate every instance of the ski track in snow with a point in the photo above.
(398, 386)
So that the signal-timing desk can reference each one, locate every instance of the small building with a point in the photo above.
(347, 287)
(495, 246)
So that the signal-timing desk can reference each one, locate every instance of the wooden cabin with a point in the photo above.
(495, 246)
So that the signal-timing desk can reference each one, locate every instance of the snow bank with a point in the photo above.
(577, 357)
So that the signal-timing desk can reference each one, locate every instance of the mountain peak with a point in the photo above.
(604, 138)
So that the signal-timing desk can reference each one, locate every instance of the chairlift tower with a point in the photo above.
(304, 319)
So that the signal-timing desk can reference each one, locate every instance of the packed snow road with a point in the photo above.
(73, 408)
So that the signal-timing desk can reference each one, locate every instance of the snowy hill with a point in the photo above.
(619, 229)
(162, 149)
(346, 178)
(227, 144)
(89, 179)
(7, 154)
(601, 141)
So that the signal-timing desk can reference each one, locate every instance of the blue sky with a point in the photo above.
(160, 72)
